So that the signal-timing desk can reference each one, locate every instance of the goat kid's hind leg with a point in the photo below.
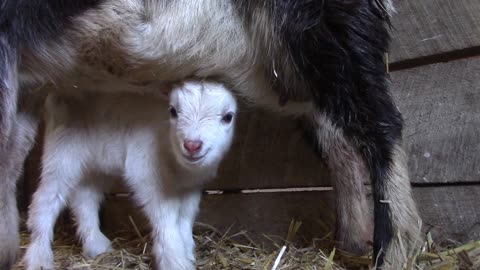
(85, 205)
(61, 172)
(354, 220)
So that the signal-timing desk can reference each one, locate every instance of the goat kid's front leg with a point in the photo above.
(162, 211)
(169, 250)
(190, 202)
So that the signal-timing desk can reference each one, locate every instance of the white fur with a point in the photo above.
(389, 6)
(131, 136)
(136, 46)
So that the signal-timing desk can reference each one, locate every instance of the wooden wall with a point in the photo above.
(436, 83)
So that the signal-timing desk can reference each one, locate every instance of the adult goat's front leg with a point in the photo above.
(354, 159)
(9, 241)
(12, 158)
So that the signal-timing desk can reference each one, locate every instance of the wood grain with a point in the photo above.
(269, 151)
(257, 214)
(429, 27)
(441, 107)
(450, 212)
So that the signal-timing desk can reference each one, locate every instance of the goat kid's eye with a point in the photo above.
(173, 112)
(227, 118)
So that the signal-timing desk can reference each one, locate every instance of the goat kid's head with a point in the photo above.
(202, 118)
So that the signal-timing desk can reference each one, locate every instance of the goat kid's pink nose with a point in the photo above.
(192, 146)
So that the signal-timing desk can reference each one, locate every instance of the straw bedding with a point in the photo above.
(227, 250)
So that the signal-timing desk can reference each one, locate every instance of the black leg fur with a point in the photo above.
(332, 52)
(346, 72)
(32, 21)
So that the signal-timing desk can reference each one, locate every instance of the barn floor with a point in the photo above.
(217, 250)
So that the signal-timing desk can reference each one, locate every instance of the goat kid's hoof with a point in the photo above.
(175, 264)
(38, 258)
(101, 245)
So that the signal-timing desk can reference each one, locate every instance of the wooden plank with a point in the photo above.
(441, 107)
(449, 212)
(257, 214)
(428, 27)
(269, 151)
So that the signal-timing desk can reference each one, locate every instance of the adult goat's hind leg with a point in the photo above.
(349, 174)
(340, 58)
(394, 201)
(397, 222)
(351, 160)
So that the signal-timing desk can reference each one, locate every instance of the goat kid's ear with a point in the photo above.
(164, 91)
(164, 95)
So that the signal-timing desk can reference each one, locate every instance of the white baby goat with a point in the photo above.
(164, 164)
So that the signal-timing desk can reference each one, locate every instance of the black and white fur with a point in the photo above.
(95, 136)
(320, 59)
